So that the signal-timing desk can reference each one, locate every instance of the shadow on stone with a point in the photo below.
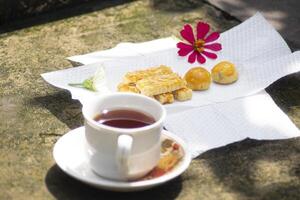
(176, 5)
(64, 187)
(283, 14)
(61, 105)
(285, 91)
(184, 6)
(258, 169)
(20, 14)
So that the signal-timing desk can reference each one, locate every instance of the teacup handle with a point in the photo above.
(123, 153)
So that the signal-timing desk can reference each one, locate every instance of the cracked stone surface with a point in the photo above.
(34, 115)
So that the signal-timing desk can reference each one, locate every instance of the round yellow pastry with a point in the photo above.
(224, 73)
(198, 78)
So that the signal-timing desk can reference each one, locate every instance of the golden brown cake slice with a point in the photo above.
(160, 84)
(125, 87)
(133, 77)
(183, 94)
(165, 98)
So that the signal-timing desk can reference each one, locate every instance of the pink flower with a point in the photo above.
(200, 45)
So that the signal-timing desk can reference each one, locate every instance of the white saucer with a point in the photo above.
(69, 154)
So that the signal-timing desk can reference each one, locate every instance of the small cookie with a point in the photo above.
(198, 78)
(224, 73)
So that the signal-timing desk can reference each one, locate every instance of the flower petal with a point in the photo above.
(184, 49)
(192, 57)
(182, 45)
(202, 30)
(214, 46)
(210, 55)
(187, 33)
(201, 58)
(212, 37)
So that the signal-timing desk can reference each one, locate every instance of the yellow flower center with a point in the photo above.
(199, 45)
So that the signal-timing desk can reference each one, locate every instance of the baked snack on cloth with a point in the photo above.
(165, 98)
(224, 73)
(198, 78)
(127, 87)
(133, 77)
(159, 82)
(183, 94)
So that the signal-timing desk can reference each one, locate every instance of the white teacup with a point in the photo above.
(123, 153)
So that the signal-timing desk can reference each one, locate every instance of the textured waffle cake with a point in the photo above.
(133, 77)
(165, 98)
(128, 87)
(159, 82)
(183, 94)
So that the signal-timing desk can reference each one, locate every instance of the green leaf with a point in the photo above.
(88, 84)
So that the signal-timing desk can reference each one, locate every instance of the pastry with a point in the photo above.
(198, 78)
(183, 94)
(165, 98)
(160, 84)
(171, 154)
(168, 161)
(125, 87)
(133, 77)
(224, 73)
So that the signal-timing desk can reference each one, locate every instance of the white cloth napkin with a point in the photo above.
(125, 50)
(216, 125)
(261, 56)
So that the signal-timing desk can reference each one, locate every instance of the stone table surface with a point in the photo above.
(34, 115)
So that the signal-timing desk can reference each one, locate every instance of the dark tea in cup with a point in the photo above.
(122, 133)
(124, 118)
